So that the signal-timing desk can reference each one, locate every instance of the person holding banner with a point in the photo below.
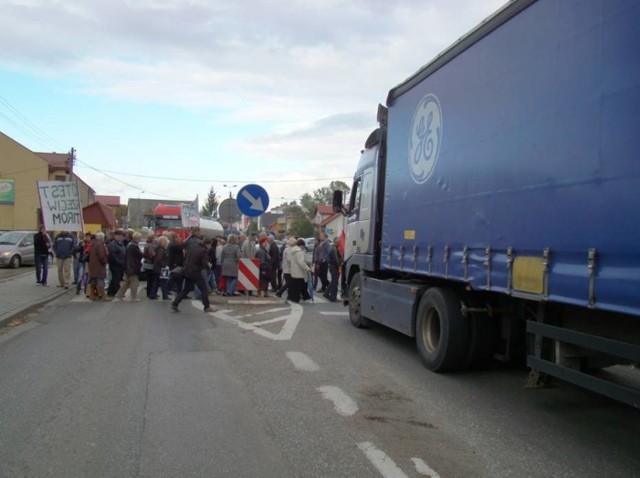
(41, 248)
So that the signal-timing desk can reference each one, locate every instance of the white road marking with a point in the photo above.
(302, 362)
(268, 311)
(290, 320)
(424, 469)
(385, 465)
(342, 403)
(344, 314)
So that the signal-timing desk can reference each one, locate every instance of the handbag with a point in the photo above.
(177, 273)
(164, 272)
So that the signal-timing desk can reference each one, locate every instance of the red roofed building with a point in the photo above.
(111, 201)
(323, 211)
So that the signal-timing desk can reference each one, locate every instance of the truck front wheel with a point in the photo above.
(355, 303)
(442, 334)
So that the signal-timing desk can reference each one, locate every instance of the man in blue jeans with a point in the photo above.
(41, 248)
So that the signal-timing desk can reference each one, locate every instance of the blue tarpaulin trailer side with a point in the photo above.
(538, 151)
(495, 211)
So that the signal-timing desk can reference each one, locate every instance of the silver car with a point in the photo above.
(16, 248)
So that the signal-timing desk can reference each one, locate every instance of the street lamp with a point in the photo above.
(230, 186)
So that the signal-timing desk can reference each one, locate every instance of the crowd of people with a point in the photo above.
(173, 266)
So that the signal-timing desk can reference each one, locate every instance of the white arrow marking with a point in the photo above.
(385, 465)
(302, 362)
(290, 320)
(342, 403)
(424, 469)
(255, 203)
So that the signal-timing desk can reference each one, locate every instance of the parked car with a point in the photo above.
(310, 243)
(16, 248)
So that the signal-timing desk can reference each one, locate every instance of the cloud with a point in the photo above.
(296, 82)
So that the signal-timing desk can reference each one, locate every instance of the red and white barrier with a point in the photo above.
(248, 274)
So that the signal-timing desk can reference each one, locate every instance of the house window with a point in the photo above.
(60, 178)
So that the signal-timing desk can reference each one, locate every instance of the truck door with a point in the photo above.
(359, 232)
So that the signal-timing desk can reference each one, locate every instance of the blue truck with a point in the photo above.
(495, 211)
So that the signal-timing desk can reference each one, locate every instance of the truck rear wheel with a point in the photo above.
(355, 303)
(442, 334)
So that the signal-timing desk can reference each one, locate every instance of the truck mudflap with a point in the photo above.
(571, 349)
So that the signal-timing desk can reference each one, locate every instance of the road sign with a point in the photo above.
(253, 200)
(228, 211)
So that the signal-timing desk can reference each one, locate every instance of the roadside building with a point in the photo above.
(20, 171)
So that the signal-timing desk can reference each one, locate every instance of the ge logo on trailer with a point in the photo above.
(425, 138)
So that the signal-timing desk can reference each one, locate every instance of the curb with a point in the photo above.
(5, 319)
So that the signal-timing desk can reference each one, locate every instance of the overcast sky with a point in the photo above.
(213, 92)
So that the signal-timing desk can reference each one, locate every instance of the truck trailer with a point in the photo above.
(494, 212)
(167, 218)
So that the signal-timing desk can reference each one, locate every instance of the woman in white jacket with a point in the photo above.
(299, 272)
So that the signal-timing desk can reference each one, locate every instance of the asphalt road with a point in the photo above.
(132, 389)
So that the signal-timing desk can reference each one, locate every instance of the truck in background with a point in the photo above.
(167, 218)
(494, 212)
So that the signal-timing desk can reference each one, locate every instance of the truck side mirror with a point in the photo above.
(337, 201)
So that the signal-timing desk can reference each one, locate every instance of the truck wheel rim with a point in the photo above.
(431, 330)
(354, 301)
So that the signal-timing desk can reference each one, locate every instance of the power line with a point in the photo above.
(146, 176)
(27, 126)
(140, 189)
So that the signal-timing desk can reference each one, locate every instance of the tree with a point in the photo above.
(300, 224)
(210, 206)
(322, 196)
(308, 203)
(121, 213)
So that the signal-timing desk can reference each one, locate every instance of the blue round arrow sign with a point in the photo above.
(253, 200)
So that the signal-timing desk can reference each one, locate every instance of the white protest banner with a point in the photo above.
(190, 213)
(60, 204)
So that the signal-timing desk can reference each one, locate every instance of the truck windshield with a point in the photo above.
(162, 223)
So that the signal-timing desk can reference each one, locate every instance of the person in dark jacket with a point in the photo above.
(274, 259)
(196, 260)
(132, 267)
(322, 264)
(265, 267)
(213, 261)
(41, 248)
(196, 236)
(116, 262)
(98, 258)
(176, 259)
(63, 246)
(334, 262)
(160, 262)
